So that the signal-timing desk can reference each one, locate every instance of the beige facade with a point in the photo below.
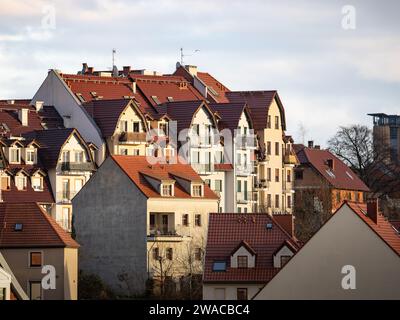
(320, 268)
(65, 261)
(5, 285)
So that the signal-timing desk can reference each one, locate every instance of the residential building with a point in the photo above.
(5, 285)
(245, 251)
(360, 262)
(29, 240)
(386, 136)
(151, 223)
(275, 157)
(10, 289)
(69, 163)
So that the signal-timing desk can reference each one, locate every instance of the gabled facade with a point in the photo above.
(153, 220)
(244, 251)
(360, 262)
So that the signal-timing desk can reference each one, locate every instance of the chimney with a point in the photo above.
(115, 72)
(90, 70)
(286, 222)
(134, 86)
(317, 146)
(10, 101)
(191, 69)
(84, 68)
(23, 116)
(39, 105)
(331, 164)
(311, 144)
(126, 70)
(372, 209)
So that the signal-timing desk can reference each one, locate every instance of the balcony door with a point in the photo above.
(65, 189)
(164, 223)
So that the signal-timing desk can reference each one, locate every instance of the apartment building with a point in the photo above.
(360, 262)
(275, 157)
(386, 136)
(31, 239)
(151, 224)
(244, 252)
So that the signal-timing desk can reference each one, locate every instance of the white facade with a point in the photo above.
(5, 284)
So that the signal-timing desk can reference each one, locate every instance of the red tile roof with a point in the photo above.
(341, 176)
(215, 86)
(396, 224)
(259, 103)
(136, 167)
(382, 228)
(227, 230)
(9, 116)
(38, 228)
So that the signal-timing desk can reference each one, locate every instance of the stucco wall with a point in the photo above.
(315, 272)
(110, 224)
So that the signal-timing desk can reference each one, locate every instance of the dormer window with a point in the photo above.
(163, 128)
(65, 156)
(123, 125)
(243, 262)
(30, 156)
(37, 183)
(79, 156)
(20, 182)
(197, 190)
(136, 126)
(166, 190)
(5, 182)
(15, 155)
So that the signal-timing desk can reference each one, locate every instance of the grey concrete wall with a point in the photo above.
(110, 223)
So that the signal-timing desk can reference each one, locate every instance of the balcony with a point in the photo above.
(243, 197)
(201, 141)
(76, 166)
(244, 170)
(203, 168)
(261, 184)
(290, 159)
(133, 137)
(246, 142)
(66, 196)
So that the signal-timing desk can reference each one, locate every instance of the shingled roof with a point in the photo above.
(218, 90)
(38, 228)
(340, 176)
(228, 230)
(230, 114)
(136, 167)
(10, 124)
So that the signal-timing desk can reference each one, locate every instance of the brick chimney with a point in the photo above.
(311, 144)
(286, 222)
(330, 163)
(126, 70)
(372, 209)
(90, 70)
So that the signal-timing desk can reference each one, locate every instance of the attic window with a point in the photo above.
(94, 94)
(170, 99)
(197, 190)
(330, 173)
(268, 226)
(80, 97)
(18, 227)
(349, 175)
(155, 99)
(4, 127)
(166, 190)
(219, 266)
(213, 92)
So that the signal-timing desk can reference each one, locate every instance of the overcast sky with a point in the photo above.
(326, 75)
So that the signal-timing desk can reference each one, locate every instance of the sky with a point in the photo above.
(332, 62)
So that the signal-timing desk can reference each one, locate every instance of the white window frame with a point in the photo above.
(30, 153)
(18, 150)
(24, 182)
(41, 182)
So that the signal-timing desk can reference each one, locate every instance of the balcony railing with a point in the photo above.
(76, 166)
(203, 167)
(201, 141)
(66, 195)
(261, 184)
(246, 141)
(133, 137)
(244, 170)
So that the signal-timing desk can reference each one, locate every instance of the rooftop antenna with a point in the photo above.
(113, 57)
(186, 55)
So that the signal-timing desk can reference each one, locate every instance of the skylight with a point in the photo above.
(268, 226)
(219, 266)
(170, 99)
(349, 175)
(18, 227)
(155, 99)
(330, 173)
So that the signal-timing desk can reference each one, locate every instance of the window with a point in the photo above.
(276, 122)
(196, 129)
(277, 148)
(136, 126)
(65, 189)
(2, 294)
(170, 254)
(197, 191)
(207, 182)
(277, 175)
(35, 290)
(35, 259)
(163, 128)
(155, 99)
(269, 122)
(268, 174)
(219, 266)
(289, 201)
(196, 157)
(37, 183)
(269, 148)
(298, 174)
(123, 125)
(65, 156)
(219, 157)
(78, 185)
(66, 218)
(242, 262)
(284, 260)
(79, 156)
(156, 253)
(269, 204)
(239, 210)
(167, 190)
(277, 201)
(218, 185)
(30, 156)
(15, 155)
(197, 220)
(123, 152)
(198, 254)
(288, 176)
(18, 227)
(241, 294)
(185, 219)
(219, 293)
(136, 152)
(20, 182)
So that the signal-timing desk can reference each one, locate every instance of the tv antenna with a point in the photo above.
(187, 55)
(113, 57)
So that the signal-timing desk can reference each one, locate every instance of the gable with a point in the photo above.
(315, 271)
